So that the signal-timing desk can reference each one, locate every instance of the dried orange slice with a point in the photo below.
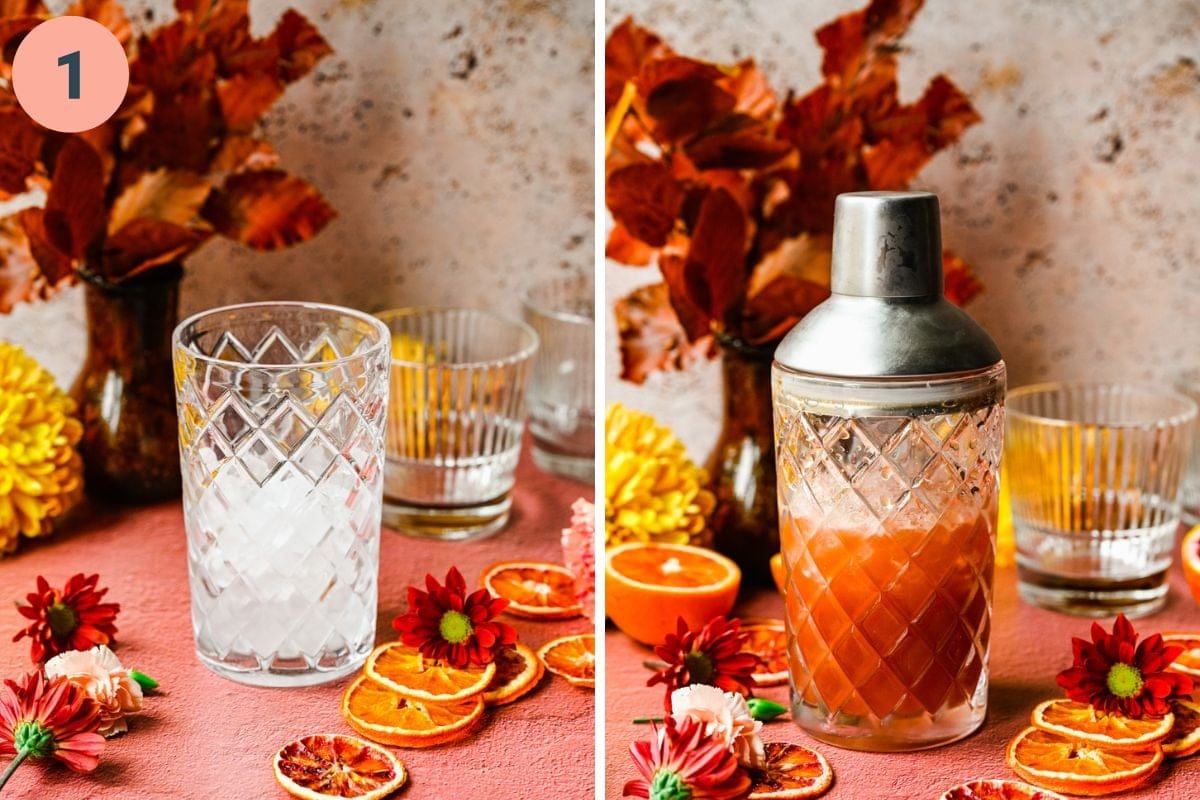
(767, 639)
(1184, 739)
(406, 671)
(1063, 765)
(518, 671)
(792, 771)
(381, 715)
(534, 589)
(1188, 661)
(571, 657)
(1081, 722)
(650, 586)
(998, 790)
(328, 765)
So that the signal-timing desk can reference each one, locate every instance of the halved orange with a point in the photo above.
(792, 771)
(998, 790)
(1081, 722)
(650, 586)
(329, 765)
(404, 670)
(571, 657)
(381, 715)
(534, 589)
(1188, 661)
(518, 671)
(778, 571)
(1190, 552)
(1184, 739)
(1064, 765)
(767, 639)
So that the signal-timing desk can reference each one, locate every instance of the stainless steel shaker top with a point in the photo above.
(887, 315)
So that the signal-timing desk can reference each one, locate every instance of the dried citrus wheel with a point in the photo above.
(534, 589)
(406, 671)
(998, 790)
(1064, 765)
(651, 585)
(518, 670)
(1188, 661)
(767, 639)
(1184, 739)
(381, 715)
(778, 571)
(327, 765)
(1081, 722)
(1191, 560)
(571, 657)
(792, 771)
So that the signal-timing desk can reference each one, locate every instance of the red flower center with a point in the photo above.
(62, 620)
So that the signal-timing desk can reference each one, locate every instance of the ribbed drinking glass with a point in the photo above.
(455, 421)
(1095, 472)
(281, 412)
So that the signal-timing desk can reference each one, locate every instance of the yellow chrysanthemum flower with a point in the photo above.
(41, 472)
(653, 491)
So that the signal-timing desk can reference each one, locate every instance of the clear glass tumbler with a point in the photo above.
(455, 421)
(1095, 472)
(562, 389)
(281, 412)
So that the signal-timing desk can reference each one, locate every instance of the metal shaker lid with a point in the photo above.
(887, 315)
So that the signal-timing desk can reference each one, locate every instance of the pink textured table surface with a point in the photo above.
(1029, 647)
(206, 737)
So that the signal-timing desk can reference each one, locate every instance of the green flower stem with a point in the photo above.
(142, 679)
(646, 720)
(764, 710)
(654, 665)
(12, 767)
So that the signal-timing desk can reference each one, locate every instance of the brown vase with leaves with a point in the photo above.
(741, 469)
(125, 391)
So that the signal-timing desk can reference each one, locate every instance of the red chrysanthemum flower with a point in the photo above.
(447, 624)
(681, 761)
(72, 618)
(1117, 675)
(715, 656)
(40, 718)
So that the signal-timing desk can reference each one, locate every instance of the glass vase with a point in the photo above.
(741, 469)
(125, 389)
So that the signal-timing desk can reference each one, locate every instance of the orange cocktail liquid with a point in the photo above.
(888, 628)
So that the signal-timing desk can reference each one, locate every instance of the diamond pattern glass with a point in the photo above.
(887, 526)
(281, 425)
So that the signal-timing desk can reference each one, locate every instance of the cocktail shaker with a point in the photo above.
(889, 421)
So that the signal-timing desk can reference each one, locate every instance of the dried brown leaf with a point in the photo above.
(623, 247)
(961, 285)
(75, 212)
(20, 146)
(645, 199)
(108, 13)
(651, 337)
(173, 196)
(143, 243)
(715, 275)
(267, 209)
(245, 97)
(628, 47)
(53, 263)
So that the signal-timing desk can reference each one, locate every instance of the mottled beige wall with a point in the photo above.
(455, 140)
(1077, 199)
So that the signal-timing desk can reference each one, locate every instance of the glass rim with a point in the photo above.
(529, 303)
(362, 316)
(523, 354)
(1188, 413)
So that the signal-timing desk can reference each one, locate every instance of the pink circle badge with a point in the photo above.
(70, 74)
